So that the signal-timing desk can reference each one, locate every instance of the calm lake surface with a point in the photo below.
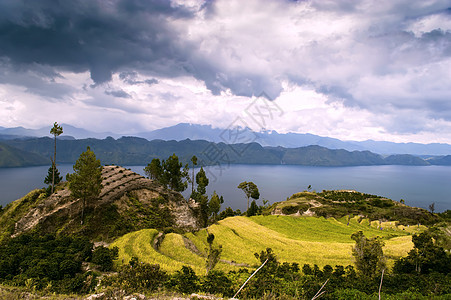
(418, 185)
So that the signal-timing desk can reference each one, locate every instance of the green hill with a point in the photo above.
(294, 239)
(138, 151)
(12, 157)
(339, 204)
(127, 202)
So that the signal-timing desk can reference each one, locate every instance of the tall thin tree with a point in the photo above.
(194, 161)
(55, 131)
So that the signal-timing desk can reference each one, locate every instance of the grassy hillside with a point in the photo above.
(15, 210)
(127, 202)
(340, 204)
(294, 239)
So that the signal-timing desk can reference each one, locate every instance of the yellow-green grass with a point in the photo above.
(173, 247)
(293, 239)
(139, 244)
(320, 229)
(397, 247)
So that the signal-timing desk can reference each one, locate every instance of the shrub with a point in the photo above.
(184, 281)
(103, 257)
(216, 282)
(139, 276)
(288, 210)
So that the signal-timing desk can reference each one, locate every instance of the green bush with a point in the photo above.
(184, 281)
(35, 261)
(217, 282)
(103, 257)
(139, 276)
(289, 210)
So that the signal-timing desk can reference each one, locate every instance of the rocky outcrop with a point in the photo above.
(127, 202)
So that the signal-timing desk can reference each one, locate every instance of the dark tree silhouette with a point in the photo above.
(56, 130)
(250, 189)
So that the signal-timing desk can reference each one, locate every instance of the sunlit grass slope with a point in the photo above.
(294, 239)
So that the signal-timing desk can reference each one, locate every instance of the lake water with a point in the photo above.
(418, 185)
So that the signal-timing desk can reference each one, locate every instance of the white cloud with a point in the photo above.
(367, 70)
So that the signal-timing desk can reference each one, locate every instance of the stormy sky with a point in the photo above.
(353, 70)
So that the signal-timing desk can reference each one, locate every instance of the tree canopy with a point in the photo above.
(425, 257)
(250, 189)
(169, 172)
(368, 255)
(202, 181)
(154, 170)
(86, 181)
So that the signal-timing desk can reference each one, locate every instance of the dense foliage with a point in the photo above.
(338, 204)
(48, 179)
(368, 254)
(86, 181)
(277, 280)
(52, 263)
(169, 173)
(55, 264)
(425, 258)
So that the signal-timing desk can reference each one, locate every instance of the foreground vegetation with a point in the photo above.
(346, 240)
(49, 264)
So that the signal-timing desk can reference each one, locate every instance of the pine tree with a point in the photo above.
(53, 171)
(214, 205)
(173, 174)
(154, 170)
(55, 131)
(202, 182)
(86, 181)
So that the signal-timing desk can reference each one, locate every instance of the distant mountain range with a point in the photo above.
(70, 132)
(184, 131)
(139, 151)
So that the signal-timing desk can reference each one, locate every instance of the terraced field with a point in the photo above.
(294, 239)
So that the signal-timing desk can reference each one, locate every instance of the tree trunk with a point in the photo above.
(192, 182)
(53, 167)
(83, 212)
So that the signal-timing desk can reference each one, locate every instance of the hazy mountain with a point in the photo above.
(139, 151)
(405, 148)
(405, 159)
(184, 131)
(289, 140)
(443, 161)
(68, 131)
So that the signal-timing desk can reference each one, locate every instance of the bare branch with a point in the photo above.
(318, 294)
(250, 278)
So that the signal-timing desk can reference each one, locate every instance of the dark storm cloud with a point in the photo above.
(132, 78)
(99, 36)
(230, 48)
(38, 79)
(118, 94)
(105, 36)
